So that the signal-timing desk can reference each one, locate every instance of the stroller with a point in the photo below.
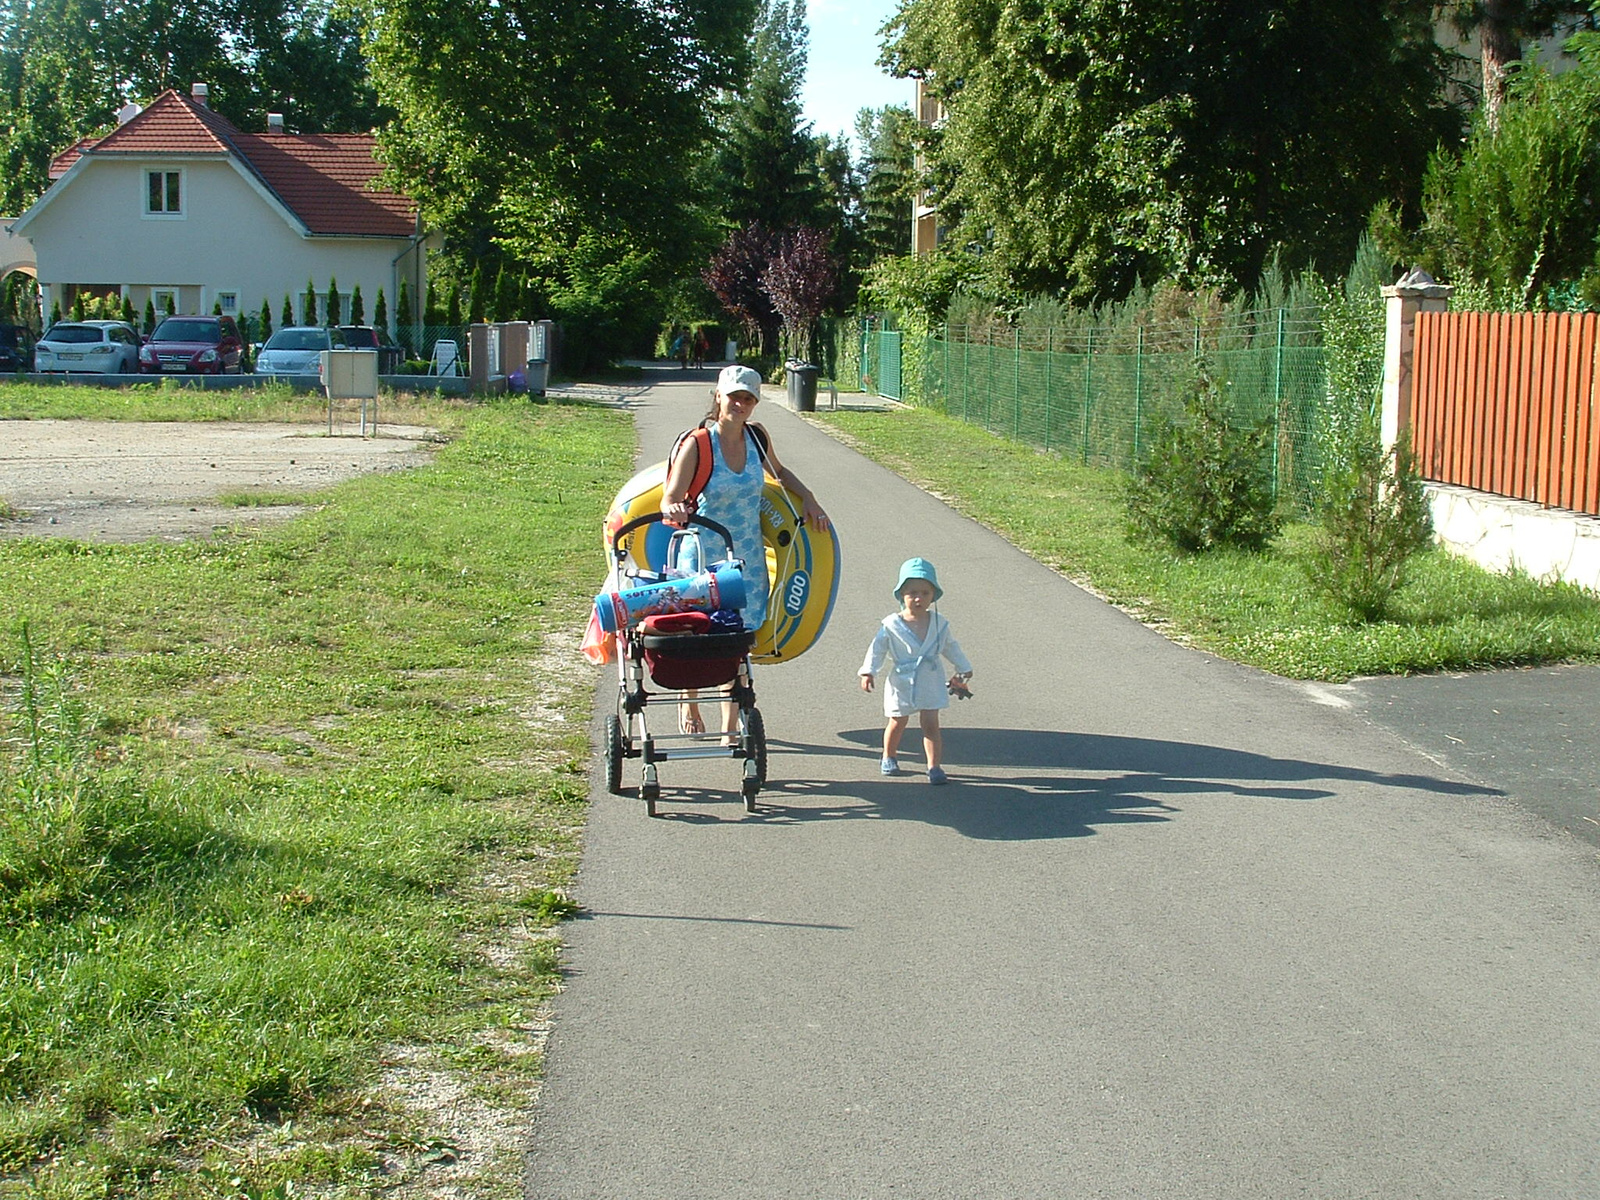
(674, 652)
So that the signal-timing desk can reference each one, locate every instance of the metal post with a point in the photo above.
(1016, 384)
(1277, 405)
(1088, 392)
(966, 378)
(1138, 391)
(1049, 356)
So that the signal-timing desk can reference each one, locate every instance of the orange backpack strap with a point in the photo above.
(701, 437)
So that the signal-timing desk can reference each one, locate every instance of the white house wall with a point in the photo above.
(229, 238)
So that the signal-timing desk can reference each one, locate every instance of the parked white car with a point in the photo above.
(90, 347)
(297, 350)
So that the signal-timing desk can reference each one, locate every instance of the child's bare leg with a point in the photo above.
(932, 737)
(892, 733)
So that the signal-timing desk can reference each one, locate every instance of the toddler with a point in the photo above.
(911, 642)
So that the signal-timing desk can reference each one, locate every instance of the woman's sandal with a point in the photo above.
(690, 722)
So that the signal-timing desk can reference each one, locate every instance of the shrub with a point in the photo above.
(1206, 482)
(1373, 518)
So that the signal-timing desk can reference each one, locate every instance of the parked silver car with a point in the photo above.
(297, 350)
(90, 347)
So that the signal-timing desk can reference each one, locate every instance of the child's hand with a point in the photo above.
(866, 683)
(958, 686)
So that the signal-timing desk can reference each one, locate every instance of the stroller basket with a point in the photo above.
(679, 658)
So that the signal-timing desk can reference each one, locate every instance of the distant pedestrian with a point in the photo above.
(910, 644)
(701, 345)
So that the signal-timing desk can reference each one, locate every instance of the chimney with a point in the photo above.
(198, 92)
(128, 112)
(274, 122)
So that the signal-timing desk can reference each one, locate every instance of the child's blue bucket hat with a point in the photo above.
(918, 568)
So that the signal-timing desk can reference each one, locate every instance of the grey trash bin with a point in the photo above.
(538, 375)
(802, 377)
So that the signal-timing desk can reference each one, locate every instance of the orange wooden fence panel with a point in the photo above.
(1506, 403)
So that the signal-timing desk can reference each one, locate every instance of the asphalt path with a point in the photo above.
(1176, 928)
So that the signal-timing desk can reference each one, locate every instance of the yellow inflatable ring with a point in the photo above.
(802, 562)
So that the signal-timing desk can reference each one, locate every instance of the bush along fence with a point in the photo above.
(1096, 394)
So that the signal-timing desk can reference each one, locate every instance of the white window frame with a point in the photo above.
(164, 214)
(158, 297)
(222, 295)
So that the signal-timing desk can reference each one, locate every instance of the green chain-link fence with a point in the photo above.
(1095, 394)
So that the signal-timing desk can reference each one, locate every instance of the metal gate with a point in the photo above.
(889, 364)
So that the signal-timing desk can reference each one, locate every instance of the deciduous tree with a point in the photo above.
(1090, 143)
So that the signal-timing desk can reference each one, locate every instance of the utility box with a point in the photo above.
(352, 375)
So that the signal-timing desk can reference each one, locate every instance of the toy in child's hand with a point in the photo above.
(959, 688)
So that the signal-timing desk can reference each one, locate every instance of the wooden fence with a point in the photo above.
(1505, 403)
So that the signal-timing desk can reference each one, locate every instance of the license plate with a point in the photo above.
(69, 356)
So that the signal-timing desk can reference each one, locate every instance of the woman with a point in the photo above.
(732, 496)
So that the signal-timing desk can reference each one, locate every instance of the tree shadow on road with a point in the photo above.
(1055, 784)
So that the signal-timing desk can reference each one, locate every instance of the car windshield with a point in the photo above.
(365, 339)
(188, 331)
(74, 334)
(297, 339)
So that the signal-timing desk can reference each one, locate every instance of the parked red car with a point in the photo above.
(193, 346)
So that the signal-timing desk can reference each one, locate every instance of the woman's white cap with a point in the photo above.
(735, 378)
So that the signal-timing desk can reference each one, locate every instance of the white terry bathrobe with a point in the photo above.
(915, 680)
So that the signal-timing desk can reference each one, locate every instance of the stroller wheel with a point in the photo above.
(756, 731)
(615, 753)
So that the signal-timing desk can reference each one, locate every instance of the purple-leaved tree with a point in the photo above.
(799, 279)
(734, 277)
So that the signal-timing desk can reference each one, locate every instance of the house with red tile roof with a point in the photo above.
(177, 206)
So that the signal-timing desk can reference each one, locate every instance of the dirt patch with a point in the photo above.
(130, 481)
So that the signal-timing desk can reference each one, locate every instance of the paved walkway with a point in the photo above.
(1176, 929)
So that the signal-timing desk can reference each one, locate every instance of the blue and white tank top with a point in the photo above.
(733, 499)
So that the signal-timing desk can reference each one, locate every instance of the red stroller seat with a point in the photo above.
(680, 651)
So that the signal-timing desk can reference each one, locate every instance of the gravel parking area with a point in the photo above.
(124, 481)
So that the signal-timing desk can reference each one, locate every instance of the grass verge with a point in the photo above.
(285, 822)
(155, 402)
(1259, 609)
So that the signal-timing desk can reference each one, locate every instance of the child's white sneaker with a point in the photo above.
(889, 766)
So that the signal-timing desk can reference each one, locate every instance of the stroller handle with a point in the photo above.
(653, 518)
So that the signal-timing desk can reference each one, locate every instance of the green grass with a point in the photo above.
(276, 806)
(167, 400)
(1256, 609)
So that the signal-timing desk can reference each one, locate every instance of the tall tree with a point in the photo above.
(767, 156)
(1089, 143)
(566, 135)
(888, 161)
(1503, 28)
(1516, 209)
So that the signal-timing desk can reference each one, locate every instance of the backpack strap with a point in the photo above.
(700, 435)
